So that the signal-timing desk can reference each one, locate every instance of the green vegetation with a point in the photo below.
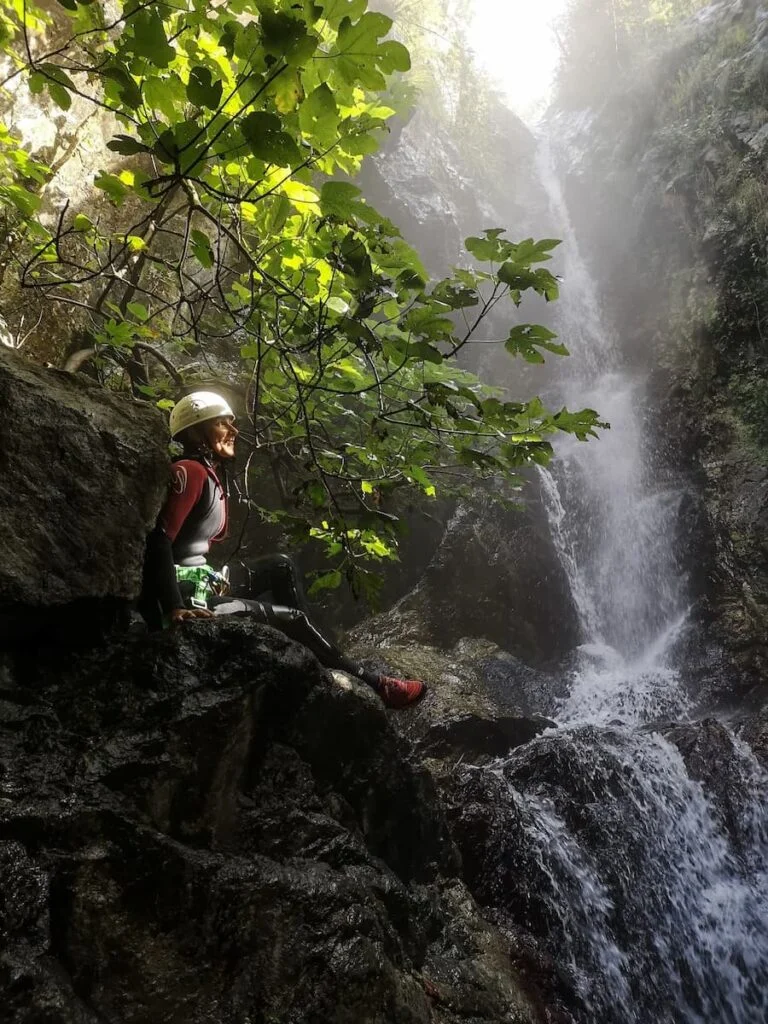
(713, 112)
(231, 246)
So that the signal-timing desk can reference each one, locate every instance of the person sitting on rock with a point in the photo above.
(179, 584)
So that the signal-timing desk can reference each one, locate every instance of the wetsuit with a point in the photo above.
(193, 518)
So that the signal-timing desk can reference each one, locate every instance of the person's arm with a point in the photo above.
(187, 483)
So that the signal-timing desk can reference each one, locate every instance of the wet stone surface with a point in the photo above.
(203, 825)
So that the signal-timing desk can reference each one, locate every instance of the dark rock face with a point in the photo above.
(82, 474)
(431, 182)
(495, 575)
(201, 825)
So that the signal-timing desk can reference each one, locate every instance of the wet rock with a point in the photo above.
(728, 774)
(202, 825)
(755, 732)
(82, 473)
(482, 701)
(480, 738)
(494, 575)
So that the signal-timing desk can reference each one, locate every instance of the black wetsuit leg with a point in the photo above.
(276, 579)
(296, 624)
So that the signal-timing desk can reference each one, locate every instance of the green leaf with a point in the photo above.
(417, 473)
(358, 48)
(583, 424)
(526, 339)
(165, 149)
(27, 203)
(166, 94)
(340, 199)
(150, 40)
(425, 352)
(36, 82)
(360, 144)
(127, 146)
(428, 321)
(491, 248)
(184, 144)
(82, 223)
(286, 92)
(410, 280)
(517, 277)
(59, 95)
(319, 115)
(455, 295)
(127, 89)
(286, 38)
(335, 11)
(281, 211)
(357, 261)
(112, 185)
(264, 134)
(202, 248)
(393, 56)
(201, 90)
(325, 581)
(138, 310)
(56, 80)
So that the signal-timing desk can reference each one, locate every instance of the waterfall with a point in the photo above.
(616, 539)
(651, 886)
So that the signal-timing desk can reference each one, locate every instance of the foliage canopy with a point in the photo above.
(232, 246)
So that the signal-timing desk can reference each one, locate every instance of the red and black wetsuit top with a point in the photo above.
(195, 511)
(193, 517)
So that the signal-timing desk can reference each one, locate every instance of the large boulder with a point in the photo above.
(482, 701)
(495, 575)
(203, 825)
(82, 474)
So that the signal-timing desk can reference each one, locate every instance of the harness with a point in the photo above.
(201, 583)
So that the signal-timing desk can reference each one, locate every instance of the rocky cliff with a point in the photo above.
(203, 824)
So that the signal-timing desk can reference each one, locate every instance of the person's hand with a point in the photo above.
(180, 614)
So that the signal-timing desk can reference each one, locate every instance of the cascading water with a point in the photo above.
(617, 536)
(651, 886)
(612, 521)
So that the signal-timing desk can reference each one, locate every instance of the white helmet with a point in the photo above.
(197, 408)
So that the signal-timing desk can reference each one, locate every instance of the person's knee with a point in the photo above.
(284, 563)
(235, 605)
(284, 615)
(270, 561)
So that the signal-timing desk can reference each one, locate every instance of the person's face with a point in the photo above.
(220, 435)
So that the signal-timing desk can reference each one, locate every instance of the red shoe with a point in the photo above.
(400, 693)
